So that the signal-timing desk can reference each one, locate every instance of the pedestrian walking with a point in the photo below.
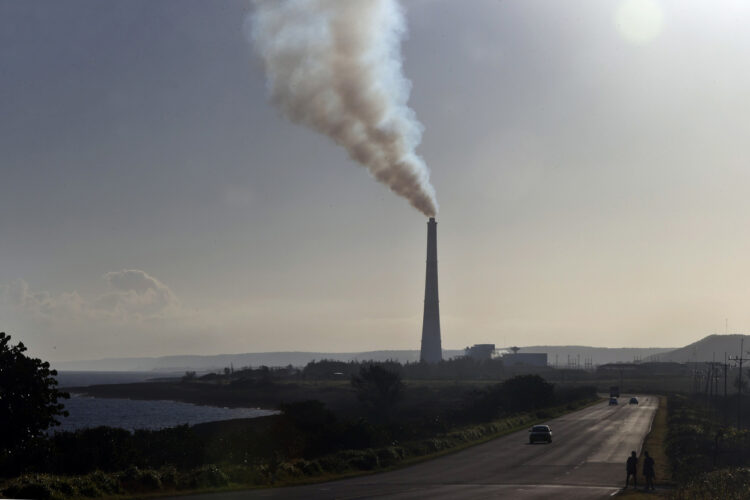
(631, 466)
(648, 471)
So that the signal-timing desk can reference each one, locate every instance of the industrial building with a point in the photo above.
(480, 351)
(431, 351)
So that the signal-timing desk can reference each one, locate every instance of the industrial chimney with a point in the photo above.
(431, 351)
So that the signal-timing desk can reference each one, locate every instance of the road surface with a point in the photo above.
(586, 459)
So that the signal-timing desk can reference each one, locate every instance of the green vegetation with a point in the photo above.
(386, 424)
(28, 398)
(276, 471)
(709, 459)
(655, 444)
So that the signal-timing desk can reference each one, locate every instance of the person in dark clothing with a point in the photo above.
(648, 471)
(632, 468)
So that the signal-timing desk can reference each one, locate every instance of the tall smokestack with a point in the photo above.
(431, 351)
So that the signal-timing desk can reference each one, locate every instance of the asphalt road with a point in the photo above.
(586, 459)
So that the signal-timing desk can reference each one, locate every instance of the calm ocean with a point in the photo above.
(133, 414)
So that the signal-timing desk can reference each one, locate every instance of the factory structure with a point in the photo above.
(431, 350)
(511, 358)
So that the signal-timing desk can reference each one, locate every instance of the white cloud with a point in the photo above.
(133, 295)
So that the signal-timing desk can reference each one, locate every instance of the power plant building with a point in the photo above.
(480, 351)
(431, 351)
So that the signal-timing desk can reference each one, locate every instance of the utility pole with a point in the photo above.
(740, 359)
(725, 389)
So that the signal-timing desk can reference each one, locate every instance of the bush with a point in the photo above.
(35, 490)
(138, 480)
(379, 389)
(310, 467)
(727, 484)
(390, 455)
(40, 486)
(361, 459)
(208, 476)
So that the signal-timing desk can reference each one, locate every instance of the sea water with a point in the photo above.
(133, 414)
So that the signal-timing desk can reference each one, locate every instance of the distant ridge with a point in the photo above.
(219, 361)
(579, 354)
(709, 348)
(597, 355)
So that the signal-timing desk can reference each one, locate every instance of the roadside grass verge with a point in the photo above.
(709, 458)
(724, 484)
(655, 444)
(140, 483)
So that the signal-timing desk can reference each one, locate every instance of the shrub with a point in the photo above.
(287, 470)
(310, 467)
(208, 476)
(727, 484)
(363, 459)
(106, 483)
(389, 455)
(31, 489)
(138, 480)
(86, 487)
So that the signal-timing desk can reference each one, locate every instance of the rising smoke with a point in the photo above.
(335, 66)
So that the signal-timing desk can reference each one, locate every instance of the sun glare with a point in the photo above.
(639, 21)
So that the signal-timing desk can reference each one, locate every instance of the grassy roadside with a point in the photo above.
(654, 443)
(142, 483)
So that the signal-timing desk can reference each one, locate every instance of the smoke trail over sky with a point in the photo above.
(335, 66)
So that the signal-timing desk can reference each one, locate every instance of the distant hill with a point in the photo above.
(709, 348)
(598, 356)
(255, 359)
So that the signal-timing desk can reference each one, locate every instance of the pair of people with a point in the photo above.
(648, 470)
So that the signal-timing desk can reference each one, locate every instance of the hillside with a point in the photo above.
(175, 364)
(219, 361)
(598, 355)
(709, 348)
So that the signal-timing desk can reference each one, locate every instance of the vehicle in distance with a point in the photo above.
(612, 401)
(540, 433)
(633, 401)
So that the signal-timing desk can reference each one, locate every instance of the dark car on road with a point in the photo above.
(612, 401)
(633, 401)
(540, 433)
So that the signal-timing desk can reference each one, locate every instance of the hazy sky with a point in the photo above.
(590, 160)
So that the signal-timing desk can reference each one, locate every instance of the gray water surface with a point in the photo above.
(135, 414)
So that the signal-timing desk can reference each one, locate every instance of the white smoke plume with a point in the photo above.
(335, 66)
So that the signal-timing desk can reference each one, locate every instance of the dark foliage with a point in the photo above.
(698, 442)
(28, 396)
(306, 433)
(379, 389)
(518, 394)
(308, 429)
(461, 368)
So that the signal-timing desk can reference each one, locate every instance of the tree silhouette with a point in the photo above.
(28, 396)
(379, 389)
